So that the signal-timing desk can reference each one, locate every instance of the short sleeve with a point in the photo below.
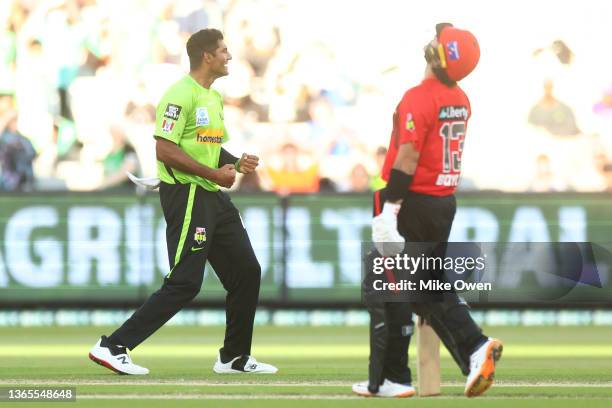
(411, 121)
(171, 115)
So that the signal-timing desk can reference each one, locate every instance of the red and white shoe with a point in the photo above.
(482, 367)
(115, 358)
(388, 389)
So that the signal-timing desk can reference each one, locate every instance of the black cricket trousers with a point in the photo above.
(422, 218)
(201, 225)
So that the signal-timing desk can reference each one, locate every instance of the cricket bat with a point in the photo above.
(428, 360)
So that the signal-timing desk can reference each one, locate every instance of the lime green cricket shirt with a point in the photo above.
(192, 117)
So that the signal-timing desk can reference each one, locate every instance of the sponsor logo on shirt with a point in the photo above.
(214, 136)
(409, 122)
(453, 113)
(200, 235)
(202, 118)
(453, 50)
(167, 126)
(172, 111)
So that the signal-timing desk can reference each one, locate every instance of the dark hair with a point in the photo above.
(206, 40)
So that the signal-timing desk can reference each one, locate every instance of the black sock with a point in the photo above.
(114, 348)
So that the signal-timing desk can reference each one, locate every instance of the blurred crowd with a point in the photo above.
(80, 80)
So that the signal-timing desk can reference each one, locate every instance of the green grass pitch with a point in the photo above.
(541, 366)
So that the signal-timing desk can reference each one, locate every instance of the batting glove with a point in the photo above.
(387, 239)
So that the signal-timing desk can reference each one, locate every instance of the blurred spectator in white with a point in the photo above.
(553, 115)
(359, 179)
(16, 156)
(35, 95)
(169, 42)
(260, 45)
(139, 108)
(545, 179)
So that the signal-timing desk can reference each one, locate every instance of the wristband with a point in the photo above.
(397, 187)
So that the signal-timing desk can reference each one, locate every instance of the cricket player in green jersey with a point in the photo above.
(202, 222)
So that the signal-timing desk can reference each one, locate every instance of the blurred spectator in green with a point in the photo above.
(553, 115)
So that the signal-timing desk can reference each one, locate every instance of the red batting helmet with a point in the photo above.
(458, 51)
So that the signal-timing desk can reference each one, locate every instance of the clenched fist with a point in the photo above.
(226, 175)
(248, 163)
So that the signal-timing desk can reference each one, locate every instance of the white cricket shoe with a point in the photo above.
(115, 358)
(388, 389)
(243, 364)
(482, 367)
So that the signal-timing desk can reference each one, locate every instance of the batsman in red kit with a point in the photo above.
(422, 170)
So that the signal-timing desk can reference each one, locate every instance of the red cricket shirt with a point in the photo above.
(434, 118)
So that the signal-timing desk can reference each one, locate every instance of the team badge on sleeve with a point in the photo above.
(202, 118)
(167, 126)
(409, 122)
(172, 111)
(200, 235)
